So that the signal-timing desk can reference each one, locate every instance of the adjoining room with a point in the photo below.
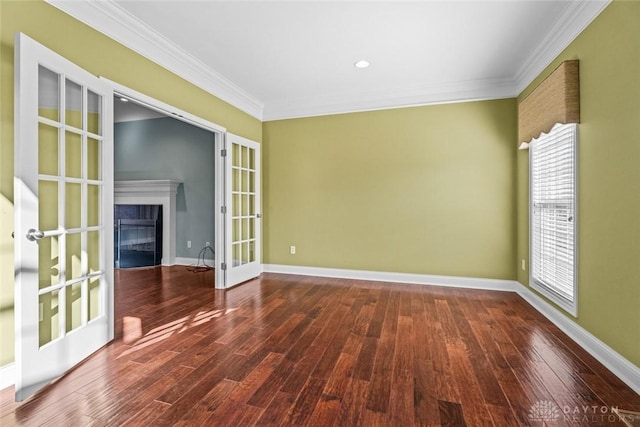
(164, 170)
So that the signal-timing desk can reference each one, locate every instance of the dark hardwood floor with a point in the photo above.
(293, 350)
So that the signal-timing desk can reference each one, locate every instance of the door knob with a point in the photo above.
(34, 234)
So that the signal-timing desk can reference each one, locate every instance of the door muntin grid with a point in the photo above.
(243, 205)
(70, 187)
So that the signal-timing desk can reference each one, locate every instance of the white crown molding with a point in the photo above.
(577, 16)
(7, 375)
(614, 361)
(393, 98)
(382, 276)
(110, 19)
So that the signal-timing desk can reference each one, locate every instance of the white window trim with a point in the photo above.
(569, 307)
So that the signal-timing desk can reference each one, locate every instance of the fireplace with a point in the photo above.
(138, 235)
(154, 192)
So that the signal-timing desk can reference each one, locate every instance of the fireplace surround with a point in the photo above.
(154, 192)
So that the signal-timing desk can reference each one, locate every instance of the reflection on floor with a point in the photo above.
(294, 350)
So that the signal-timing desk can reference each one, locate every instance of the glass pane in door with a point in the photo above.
(49, 320)
(73, 99)
(74, 256)
(73, 308)
(48, 207)
(252, 251)
(73, 155)
(73, 205)
(49, 268)
(93, 251)
(47, 149)
(93, 205)
(93, 159)
(245, 253)
(48, 93)
(94, 115)
(94, 298)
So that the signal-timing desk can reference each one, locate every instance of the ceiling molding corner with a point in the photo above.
(110, 19)
(467, 91)
(570, 24)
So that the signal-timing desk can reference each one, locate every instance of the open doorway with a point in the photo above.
(237, 194)
(168, 162)
(164, 185)
(152, 109)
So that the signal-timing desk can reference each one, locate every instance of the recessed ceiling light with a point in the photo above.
(361, 64)
(124, 99)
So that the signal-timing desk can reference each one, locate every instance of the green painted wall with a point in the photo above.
(417, 190)
(101, 56)
(608, 178)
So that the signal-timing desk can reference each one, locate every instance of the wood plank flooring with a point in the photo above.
(294, 350)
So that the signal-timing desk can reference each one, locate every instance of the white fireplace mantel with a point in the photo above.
(154, 192)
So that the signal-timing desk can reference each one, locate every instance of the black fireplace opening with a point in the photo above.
(138, 235)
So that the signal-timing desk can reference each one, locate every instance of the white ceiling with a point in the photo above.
(277, 59)
(129, 111)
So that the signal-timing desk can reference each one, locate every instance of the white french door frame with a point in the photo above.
(91, 334)
(106, 250)
(219, 141)
(243, 217)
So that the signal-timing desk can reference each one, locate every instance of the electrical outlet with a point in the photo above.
(524, 265)
(207, 244)
(188, 244)
(292, 250)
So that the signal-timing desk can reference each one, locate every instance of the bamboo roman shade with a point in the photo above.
(555, 100)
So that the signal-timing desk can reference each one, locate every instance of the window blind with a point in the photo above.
(553, 175)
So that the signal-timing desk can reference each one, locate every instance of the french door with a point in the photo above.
(63, 215)
(242, 219)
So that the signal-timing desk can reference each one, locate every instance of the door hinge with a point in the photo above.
(224, 266)
(223, 209)
(223, 153)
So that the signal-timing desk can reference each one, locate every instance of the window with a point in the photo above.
(553, 215)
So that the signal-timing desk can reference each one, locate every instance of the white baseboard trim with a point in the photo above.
(381, 276)
(193, 261)
(616, 363)
(7, 375)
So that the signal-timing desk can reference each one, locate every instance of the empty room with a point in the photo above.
(414, 213)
